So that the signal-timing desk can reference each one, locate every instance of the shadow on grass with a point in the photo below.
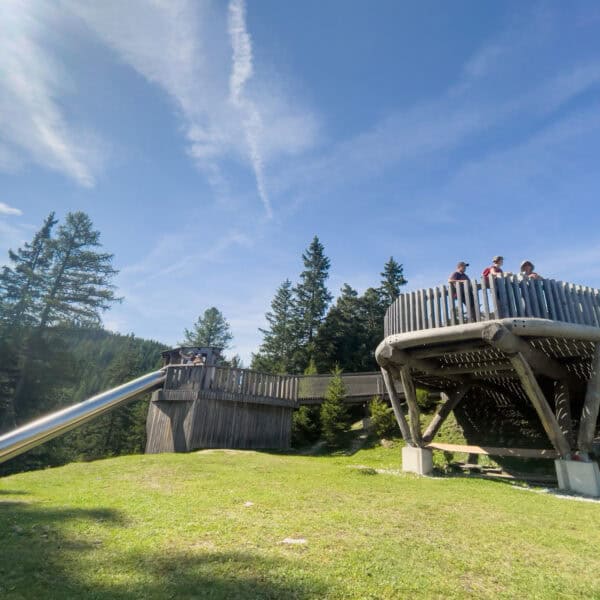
(51, 553)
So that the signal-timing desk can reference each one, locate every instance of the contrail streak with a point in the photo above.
(241, 72)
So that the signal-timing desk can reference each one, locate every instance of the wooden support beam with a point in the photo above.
(410, 394)
(493, 451)
(562, 409)
(395, 402)
(450, 402)
(591, 405)
(502, 339)
(537, 398)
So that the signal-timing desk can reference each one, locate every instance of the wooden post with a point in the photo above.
(536, 396)
(562, 409)
(400, 418)
(411, 400)
(589, 413)
(450, 402)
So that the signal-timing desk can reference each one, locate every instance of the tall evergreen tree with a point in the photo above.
(23, 283)
(391, 282)
(211, 329)
(70, 284)
(279, 340)
(80, 285)
(335, 420)
(312, 296)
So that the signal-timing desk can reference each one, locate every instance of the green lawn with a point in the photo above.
(181, 526)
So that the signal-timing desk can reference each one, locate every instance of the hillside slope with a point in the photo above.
(231, 524)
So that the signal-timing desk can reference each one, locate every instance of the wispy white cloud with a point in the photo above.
(241, 72)
(5, 209)
(185, 48)
(33, 126)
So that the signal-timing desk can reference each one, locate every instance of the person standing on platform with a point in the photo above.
(527, 271)
(495, 268)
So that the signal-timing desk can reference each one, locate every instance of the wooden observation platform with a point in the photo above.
(503, 350)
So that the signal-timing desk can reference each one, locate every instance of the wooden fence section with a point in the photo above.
(359, 387)
(220, 407)
(497, 298)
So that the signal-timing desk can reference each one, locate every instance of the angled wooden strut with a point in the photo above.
(410, 394)
(537, 398)
(451, 400)
(499, 337)
(562, 410)
(400, 418)
(591, 406)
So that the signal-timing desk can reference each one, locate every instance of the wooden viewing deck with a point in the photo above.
(502, 345)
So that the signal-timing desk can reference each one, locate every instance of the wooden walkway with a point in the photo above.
(508, 343)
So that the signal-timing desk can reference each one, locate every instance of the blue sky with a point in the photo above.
(210, 141)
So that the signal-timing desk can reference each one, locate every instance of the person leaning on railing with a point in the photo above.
(495, 268)
(527, 271)
(460, 275)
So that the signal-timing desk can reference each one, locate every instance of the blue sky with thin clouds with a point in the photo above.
(210, 141)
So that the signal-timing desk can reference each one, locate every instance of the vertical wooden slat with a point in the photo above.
(500, 286)
(548, 291)
(536, 310)
(527, 303)
(459, 301)
(468, 301)
(513, 303)
(589, 297)
(537, 286)
(438, 304)
(445, 302)
(560, 315)
(432, 308)
(476, 308)
(484, 295)
(568, 310)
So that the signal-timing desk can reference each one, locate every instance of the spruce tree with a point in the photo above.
(279, 340)
(23, 283)
(70, 285)
(80, 285)
(312, 297)
(335, 421)
(391, 282)
(211, 329)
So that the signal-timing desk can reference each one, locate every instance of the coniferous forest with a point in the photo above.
(54, 351)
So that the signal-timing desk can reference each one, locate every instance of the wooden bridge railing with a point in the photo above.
(237, 381)
(496, 298)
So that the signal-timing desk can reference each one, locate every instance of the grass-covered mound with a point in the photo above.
(212, 525)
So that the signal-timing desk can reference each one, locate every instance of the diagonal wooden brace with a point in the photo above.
(502, 339)
(591, 406)
(410, 394)
(400, 418)
(537, 398)
(450, 402)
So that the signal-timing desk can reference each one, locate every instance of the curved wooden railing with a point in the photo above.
(495, 298)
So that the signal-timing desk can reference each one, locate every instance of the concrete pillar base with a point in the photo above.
(417, 460)
(580, 477)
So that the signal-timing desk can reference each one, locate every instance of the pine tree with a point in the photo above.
(392, 280)
(72, 285)
(279, 341)
(80, 285)
(23, 284)
(312, 298)
(335, 422)
(211, 329)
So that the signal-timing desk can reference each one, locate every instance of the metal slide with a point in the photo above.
(45, 428)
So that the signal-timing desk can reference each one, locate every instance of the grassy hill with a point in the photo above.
(214, 524)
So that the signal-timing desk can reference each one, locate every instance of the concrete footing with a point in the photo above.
(580, 477)
(417, 460)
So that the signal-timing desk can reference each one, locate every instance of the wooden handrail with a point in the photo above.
(495, 298)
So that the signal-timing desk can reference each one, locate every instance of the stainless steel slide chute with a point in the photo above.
(45, 428)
